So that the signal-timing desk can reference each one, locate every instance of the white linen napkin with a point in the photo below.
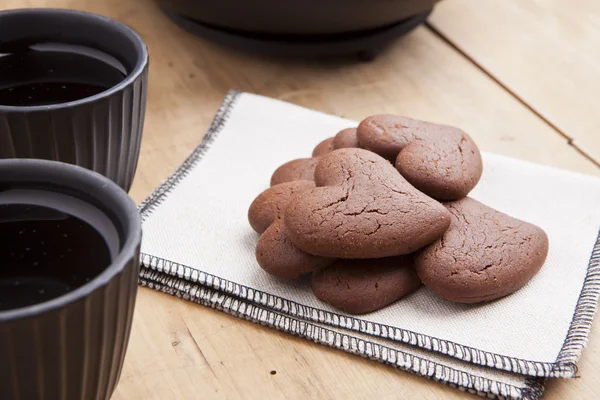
(198, 245)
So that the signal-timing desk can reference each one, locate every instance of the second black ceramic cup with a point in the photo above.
(72, 89)
(70, 242)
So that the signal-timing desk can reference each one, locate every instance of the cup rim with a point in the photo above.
(99, 187)
(138, 69)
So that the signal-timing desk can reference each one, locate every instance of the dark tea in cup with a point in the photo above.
(37, 74)
(51, 249)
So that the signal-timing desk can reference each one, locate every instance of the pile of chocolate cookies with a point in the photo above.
(382, 208)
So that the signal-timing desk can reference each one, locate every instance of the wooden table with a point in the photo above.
(521, 76)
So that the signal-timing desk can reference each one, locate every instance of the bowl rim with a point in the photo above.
(138, 69)
(68, 176)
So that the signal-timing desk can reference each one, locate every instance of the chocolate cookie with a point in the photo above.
(363, 286)
(363, 209)
(270, 204)
(484, 255)
(277, 255)
(274, 251)
(441, 161)
(295, 170)
(323, 148)
(345, 138)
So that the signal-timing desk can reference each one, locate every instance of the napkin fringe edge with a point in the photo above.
(585, 311)
(237, 307)
(294, 309)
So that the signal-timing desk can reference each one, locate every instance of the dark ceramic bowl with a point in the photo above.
(73, 346)
(102, 132)
(302, 28)
(300, 17)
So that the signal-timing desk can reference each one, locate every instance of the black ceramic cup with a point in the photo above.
(72, 345)
(72, 89)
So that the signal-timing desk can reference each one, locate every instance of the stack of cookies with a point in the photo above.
(380, 209)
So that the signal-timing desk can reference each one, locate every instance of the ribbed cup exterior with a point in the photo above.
(103, 135)
(72, 353)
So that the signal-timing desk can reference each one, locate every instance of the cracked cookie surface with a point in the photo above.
(442, 161)
(275, 253)
(484, 255)
(362, 208)
(363, 286)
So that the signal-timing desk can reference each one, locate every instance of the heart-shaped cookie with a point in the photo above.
(363, 208)
(363, 286)
(274, 251)
(295, 170)
(441, 161)
(484, 255)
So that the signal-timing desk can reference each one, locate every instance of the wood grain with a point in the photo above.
(180, 350)
(545, 52)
